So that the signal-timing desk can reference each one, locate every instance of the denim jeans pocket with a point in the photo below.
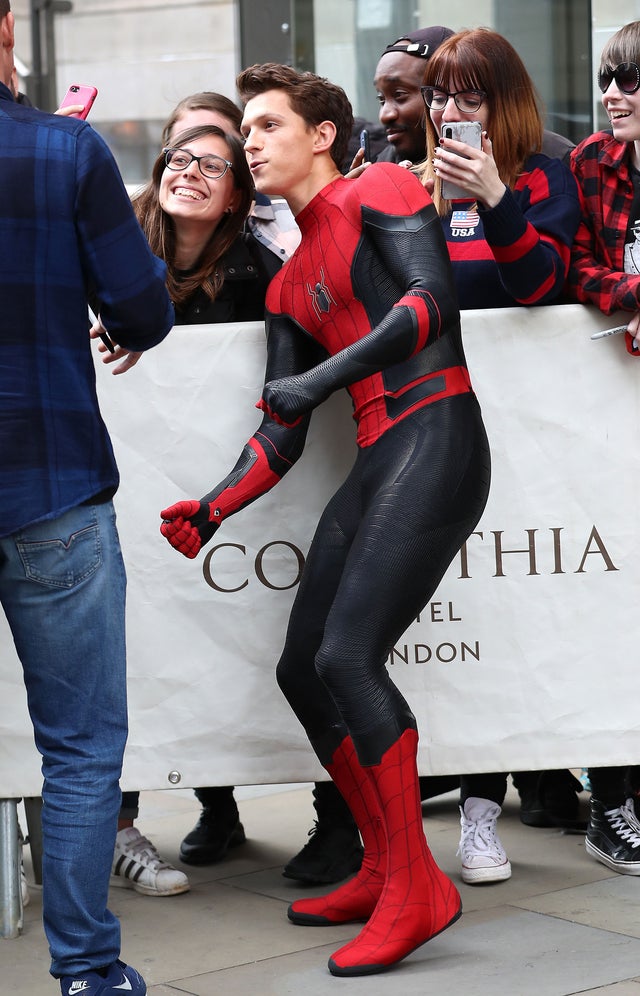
(62, 560)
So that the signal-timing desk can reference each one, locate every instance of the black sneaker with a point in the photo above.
(549, 799)
(613, 837)
(331, 854)
(211, 838)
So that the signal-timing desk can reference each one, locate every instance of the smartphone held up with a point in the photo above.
(469, 132)
(80, 93)
(365, 145)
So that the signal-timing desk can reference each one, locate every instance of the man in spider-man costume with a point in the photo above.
(367, 303)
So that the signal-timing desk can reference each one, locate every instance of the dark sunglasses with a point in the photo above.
(626, 75)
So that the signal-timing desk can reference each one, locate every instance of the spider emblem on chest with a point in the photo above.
(321, 297)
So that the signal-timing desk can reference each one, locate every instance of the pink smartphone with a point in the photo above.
(78, 93)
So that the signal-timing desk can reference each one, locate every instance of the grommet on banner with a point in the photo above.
(174, 777)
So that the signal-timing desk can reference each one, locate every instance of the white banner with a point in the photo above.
(526, 657)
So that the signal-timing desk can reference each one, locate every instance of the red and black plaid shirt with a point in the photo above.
(600, 164)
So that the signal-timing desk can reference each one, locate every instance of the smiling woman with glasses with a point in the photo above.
(193, 212)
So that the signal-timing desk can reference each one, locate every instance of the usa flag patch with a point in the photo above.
(465, 219)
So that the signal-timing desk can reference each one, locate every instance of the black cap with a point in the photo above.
(421, 43)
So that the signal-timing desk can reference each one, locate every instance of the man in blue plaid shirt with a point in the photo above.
(66, 228)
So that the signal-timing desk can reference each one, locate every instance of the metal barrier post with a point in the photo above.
(10, 890)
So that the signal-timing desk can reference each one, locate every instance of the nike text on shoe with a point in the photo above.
(137, 865)
(118, 978)
(613, 837)
(483, 856)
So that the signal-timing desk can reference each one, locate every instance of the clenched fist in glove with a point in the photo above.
(286, 400)
(188, 525)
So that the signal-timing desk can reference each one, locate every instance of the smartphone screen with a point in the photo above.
(80, 93)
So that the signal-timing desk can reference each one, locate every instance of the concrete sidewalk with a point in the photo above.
(562, 924)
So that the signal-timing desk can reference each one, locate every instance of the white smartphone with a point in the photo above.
(469, 132)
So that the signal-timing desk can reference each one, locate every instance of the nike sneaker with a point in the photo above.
(117, 979)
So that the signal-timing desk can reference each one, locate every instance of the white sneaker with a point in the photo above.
(137, 865)
(483, 857)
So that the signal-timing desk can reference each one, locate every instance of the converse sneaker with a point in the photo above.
(613, 837)
(483, 856)
(137, 865)
(112, 981)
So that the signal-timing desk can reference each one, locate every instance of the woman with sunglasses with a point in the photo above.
(605, 261)
(510, 236)
(605, 272)
(193, 212)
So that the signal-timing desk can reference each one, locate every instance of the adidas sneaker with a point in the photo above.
(137, 865)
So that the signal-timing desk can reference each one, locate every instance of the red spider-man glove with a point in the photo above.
(188, 525)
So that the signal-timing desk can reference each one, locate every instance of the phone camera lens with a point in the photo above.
(74, 89)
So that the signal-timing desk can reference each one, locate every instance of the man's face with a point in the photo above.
(278, 143)
(6, 48)
(402, 112)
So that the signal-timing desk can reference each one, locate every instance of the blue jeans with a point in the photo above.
(62, 587)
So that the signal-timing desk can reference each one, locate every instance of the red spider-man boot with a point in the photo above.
(357, 898)
(418, 900)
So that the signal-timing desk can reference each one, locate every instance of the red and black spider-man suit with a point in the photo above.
(369, 289)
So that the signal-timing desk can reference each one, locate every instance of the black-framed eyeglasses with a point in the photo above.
(466, 101)
(626, 75)
(211, 166)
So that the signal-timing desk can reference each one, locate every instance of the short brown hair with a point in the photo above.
(313, 97)
(5, 7)
(482, 59)
(624, 46)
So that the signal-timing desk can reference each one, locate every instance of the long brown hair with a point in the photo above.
(159, 227)
(481, 59)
